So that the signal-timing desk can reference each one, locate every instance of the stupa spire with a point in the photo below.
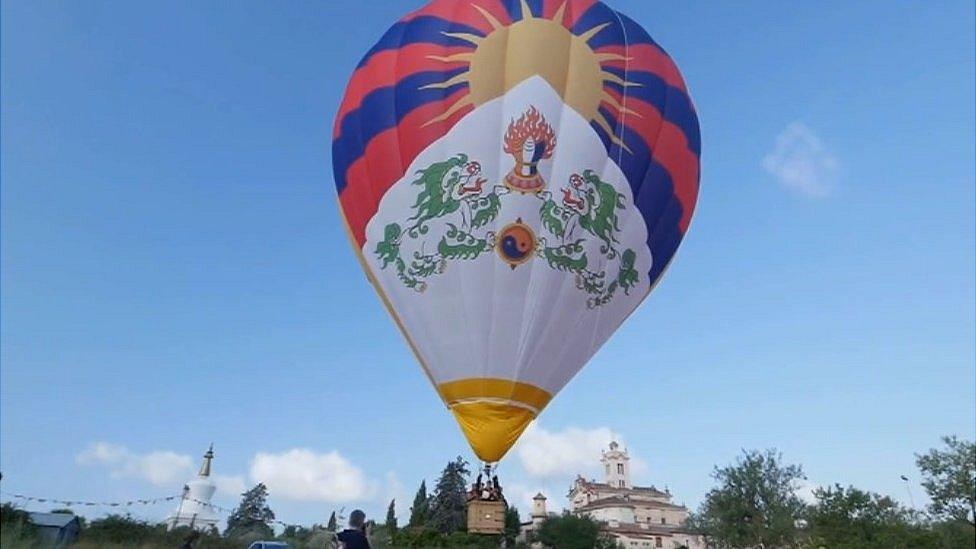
(207, 458)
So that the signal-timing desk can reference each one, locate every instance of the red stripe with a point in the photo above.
(648, 58)
(575, 10)
(386, 68)
(647, 121)
(673, 153)
(549, 8)
(387, 157)
(669, 148)
(463, 11)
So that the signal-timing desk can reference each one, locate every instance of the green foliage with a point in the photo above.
(513, 523)
(418, 537)
(298, 536)
(950, 479)
(333, 524)
(321, 538)
(448, 505)
(755, 503)
(122, 529)
(16, 527)
(421, 506)
(391, 520)
(252, 516)
(573, 532)
(955, 534)
(848, 518)
(425, 537)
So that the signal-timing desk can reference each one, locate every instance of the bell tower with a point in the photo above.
(539, 513)
(616, 466)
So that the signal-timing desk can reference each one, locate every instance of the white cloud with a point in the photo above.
(569, 452)
(303, 475)
(229, 485)
(160, 468)
(805, 491)
(801, 162)
(295, 474)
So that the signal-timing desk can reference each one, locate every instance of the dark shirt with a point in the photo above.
(354, 539)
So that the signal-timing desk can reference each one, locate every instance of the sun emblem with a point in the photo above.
(515, 243)
(506, 56)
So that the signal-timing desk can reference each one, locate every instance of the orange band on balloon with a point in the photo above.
(495, 389)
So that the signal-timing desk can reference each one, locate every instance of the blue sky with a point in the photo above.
(174, 271)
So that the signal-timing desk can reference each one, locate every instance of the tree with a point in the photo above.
(955, 533)
(513, 525)
(848, 518)
(391, 521)
(573, 532)
(448, 506)
(121, 529)
(950, 479)
(252, 515)
(333, 524)
(298, 535)
(15, 526)
(421, 506)
(754, 505)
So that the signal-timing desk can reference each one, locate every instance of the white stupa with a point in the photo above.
(193, 509)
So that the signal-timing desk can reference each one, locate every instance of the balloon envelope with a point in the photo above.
(515, 176)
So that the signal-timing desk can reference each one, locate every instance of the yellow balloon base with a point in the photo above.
(493, 412)
(490, 427)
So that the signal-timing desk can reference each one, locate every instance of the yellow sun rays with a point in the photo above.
(491, 71)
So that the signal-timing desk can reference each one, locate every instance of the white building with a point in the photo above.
(194, 508)
(636, 516)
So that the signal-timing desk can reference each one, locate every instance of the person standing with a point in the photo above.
(354, 537)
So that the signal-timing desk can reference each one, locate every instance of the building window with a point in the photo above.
(657, 542)
(620, 468)
(608, 468)
(664, 520)
(621, 484)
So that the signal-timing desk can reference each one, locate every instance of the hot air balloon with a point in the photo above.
(515, 176)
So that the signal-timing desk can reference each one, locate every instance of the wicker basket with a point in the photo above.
(486, 517)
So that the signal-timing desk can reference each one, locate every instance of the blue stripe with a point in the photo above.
(665, 238)
(673, 103)
(633, 163)
(423, 29)
(383, 109)
(514, 8)
(635, 33)
(653, 191)
(622, 31)
(598, 14)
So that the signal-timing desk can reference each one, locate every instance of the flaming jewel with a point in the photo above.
(529, 140)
